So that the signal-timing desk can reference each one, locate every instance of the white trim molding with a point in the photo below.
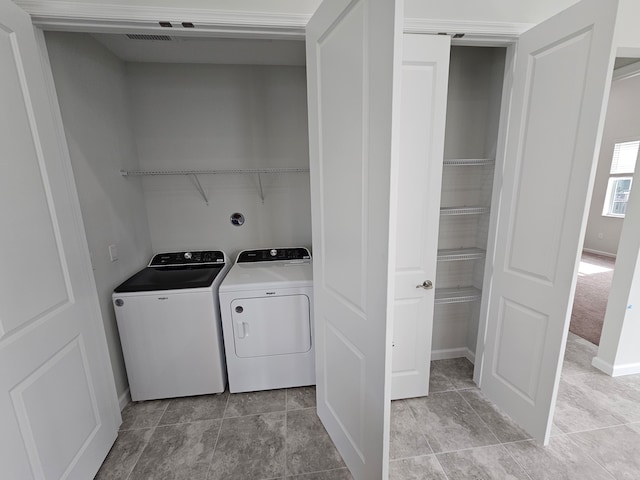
(447, 353)
(93, 17)
(124, 399)
(615, 370)
(474, 31)
(599, 252)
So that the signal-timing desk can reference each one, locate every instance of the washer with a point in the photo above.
(168, 317)
(266, 302)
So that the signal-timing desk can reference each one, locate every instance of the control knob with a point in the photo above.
(188, 255)
(273, 252)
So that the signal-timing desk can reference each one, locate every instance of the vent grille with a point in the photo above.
(137, 36)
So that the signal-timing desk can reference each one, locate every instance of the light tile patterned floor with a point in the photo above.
(455, 433)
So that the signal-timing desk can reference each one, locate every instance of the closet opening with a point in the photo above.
(169, 136)
(462, 183)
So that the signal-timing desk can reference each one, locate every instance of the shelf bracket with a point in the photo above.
(199, 187)
(260, 185)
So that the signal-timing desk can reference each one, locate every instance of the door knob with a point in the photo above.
(427, 284)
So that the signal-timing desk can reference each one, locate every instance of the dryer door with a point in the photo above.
(267, 326)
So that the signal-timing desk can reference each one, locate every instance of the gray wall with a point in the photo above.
(622, 123)
(91, 87)
(222, 117)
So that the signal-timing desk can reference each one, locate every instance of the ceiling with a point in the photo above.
(229, 51)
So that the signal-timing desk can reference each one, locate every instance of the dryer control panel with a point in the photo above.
(273, 255)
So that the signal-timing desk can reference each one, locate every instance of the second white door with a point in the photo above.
(423, 104)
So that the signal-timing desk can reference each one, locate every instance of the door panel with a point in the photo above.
(561, 82)
(353, 59)
(58, 407)
(423, 104)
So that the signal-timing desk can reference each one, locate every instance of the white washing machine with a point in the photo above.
(266, 302)
(168, 317)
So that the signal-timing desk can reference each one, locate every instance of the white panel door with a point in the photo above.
(353, 60)
(423, 105)
(59, 413)
(561, 82)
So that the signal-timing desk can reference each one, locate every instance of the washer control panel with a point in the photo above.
(171, 259)
(274, 254)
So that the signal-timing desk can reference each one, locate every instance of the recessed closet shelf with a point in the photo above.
(454, 211)
(460, 162)
(458, 254)
(457, 295)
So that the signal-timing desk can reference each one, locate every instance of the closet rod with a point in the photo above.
(126, 173)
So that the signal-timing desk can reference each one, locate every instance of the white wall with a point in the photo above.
(91, 87)
(215, 117)
(622, 123)
(618, 353)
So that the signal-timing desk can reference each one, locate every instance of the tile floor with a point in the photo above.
(454, 433)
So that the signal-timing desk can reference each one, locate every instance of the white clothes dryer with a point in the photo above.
(266, 302)
(168, 317)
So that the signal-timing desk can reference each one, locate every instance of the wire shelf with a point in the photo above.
(460, 162)
(459, 254)
(212, 171)
(457, 295)
(194, 175)
(456, 211)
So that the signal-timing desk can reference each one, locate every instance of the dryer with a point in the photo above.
(266, 303)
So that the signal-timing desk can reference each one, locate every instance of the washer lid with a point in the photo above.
(170, 278)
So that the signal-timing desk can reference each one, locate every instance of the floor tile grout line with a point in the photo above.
(589, 456)
(617, 425)
(215, 445)
(526, 472)
(214, 450)
(146, 445)
(319, 471)
(486, 424)
(415, 419)
(166, 407)
(441, 466)
(286, 429)
(153, 431)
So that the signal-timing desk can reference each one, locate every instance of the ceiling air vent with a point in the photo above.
(137, 36)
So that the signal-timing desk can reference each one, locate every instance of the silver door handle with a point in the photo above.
(427, 284)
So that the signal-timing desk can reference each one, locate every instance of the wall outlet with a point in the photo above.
(600, 235)
(113, 253)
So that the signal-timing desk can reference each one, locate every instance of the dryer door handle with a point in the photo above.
(243, 329)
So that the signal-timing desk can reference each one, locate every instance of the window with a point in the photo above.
(623, 165)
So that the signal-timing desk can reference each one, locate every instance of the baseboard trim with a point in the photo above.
(447, 353)
(598, 252)
(603, 366)
(124, 399)
(615, 370)
(628, 369)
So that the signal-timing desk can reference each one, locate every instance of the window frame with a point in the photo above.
(613, 179)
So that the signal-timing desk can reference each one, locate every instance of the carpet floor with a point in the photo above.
(592, 293)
